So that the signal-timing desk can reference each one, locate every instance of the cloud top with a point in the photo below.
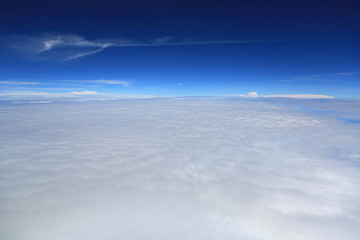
(252, 94)
(179, 169)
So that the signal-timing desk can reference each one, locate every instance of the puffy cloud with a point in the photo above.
(179, 169)
(252, 94)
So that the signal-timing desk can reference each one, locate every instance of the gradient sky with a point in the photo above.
(179, 48)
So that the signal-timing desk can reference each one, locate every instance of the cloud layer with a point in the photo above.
(255, 94)
(300, 96)
(178, 169)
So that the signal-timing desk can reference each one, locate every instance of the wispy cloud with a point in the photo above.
(255, 94)
(59, 88)
(67, 95)
(299, 96)
(56, 46)
(18, 83)
(342, 74)
(85, 93)
(123, 83)
(47, 94)
(167, 87)
(70, 46)
(250, 94)
(327, 77)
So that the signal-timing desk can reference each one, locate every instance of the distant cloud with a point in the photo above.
(70, 46)
(255, 94)
(18, 83)
(327, 77)
(124, 83)
(27, 94)
(51, 87)
(166, 87)
(252, 94)
(299, 96)
(343, 73)
(66, 95)
(85, 93)
(60, 88)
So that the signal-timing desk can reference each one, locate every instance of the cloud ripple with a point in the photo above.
(177, 169)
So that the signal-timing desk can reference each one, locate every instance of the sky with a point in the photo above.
(179, 48)
(235, 168)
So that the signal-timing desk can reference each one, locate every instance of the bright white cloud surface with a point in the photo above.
(245, 169)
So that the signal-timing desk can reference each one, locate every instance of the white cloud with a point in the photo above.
(70, 46)
(83, 54)
(343, 73)
(29, 94)
(18, 83)
(326, 77)
(57, 46)
(166, 87)
(239, 95)
(85, 93)
(20, 93)
(299, 96)
(124, 83)
(49, 44)
(178, 169)
(56, 41)
(78, 95)
(252, 94)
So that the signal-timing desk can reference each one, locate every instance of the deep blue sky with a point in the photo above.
(180, 47)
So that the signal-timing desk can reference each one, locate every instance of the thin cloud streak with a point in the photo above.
(328, 77)
(124, 83)
(82, 54)
(166, 88)
(256, 95)
(299, 96)
(18, 83)
(24, 94)
(77, 46)
(76, 94)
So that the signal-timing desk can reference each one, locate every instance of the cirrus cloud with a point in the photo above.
(67, 47)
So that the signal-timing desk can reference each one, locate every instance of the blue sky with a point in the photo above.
(180, 48)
